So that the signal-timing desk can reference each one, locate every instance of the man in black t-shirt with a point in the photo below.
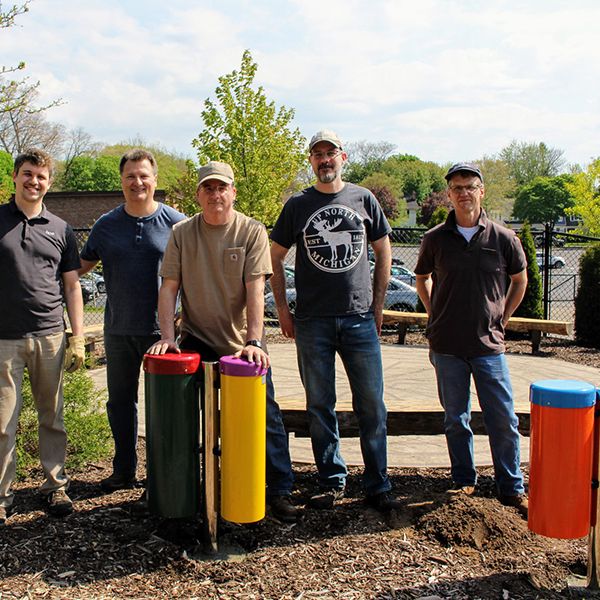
(337, 312)
(38, 255)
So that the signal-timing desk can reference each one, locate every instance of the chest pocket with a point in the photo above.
(234, 262)
(490, 261)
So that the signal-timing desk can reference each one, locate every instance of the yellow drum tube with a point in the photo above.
(243, 440)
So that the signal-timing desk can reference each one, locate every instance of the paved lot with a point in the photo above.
(409, 385)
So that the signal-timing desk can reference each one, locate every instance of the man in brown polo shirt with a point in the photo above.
(471, 276)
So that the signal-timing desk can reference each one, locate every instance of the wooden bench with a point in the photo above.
(398, 423)
(92, 334)
(535, 327)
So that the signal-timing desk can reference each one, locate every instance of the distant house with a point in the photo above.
(82, 209)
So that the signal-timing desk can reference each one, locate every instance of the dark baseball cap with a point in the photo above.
(466, 167)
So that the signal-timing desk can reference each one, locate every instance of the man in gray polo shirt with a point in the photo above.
(462, 273)
(38, 256)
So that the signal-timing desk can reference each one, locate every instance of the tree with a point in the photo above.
(381, 186)
(585, 190)
(527, 161)
(6, 182)
(93, 174)
(587, 300)
(500, 186)
(543, 200)
(439, 215)
(21, 122)
(247, 131)
(531, 305)
(365, 158)
(415, 178)
(78, 143)
(434, 201)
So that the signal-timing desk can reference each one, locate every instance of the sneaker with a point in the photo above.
(465, 490)
(518, 501)
(118, 482)
(59, 504)
(326, 498)
(283, 509)
(383, 502)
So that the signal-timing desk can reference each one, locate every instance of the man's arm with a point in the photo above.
(286, 322)
(167, 302)
(514, 295)
(75, 352)
(86, 266)
(381, 276)
(255, 309)
(424, 285)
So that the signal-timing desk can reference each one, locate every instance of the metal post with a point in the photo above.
(210, 458)
(593, 569)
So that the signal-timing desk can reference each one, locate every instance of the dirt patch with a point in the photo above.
(435, 546)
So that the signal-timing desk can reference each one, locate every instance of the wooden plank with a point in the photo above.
(545, 326)
(210, 459)
(398, 423)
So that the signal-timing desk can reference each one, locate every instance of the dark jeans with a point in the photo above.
(124, 355)
(280, 477)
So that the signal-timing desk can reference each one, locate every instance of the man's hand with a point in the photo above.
(75, 353)
(164, 346)
(255, 355)
(286, 322)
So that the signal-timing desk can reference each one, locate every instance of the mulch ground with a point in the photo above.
(435, 547)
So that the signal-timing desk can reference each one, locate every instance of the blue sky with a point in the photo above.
(445, 80)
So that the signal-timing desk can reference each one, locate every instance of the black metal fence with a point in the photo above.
(558, 258)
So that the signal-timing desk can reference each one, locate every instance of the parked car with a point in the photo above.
(92, 284)
(401, 273)
(289, 279)
(395, 261)
(556, 262)
(538, 239)
(399, 296)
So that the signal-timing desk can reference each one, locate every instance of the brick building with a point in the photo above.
(82, 209)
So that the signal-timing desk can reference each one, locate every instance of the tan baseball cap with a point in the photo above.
(215, 170)
(325, 135)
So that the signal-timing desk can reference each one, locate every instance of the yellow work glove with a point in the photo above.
(75, 353)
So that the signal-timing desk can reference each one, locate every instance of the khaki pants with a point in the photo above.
(43, 357)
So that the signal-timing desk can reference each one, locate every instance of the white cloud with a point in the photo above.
(443, 80)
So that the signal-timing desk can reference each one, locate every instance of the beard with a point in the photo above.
(327, 176)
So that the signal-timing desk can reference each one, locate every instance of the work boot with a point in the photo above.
(283, 509)
(458, 489)
(383, 502)
(139, 508)
(59, 504)
(518, 501)
(118, 482)
(326, 498)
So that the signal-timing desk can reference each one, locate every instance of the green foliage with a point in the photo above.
(87, 174)
(182, 195)
(88, 433)
(587, 300)
(500, 187)
(431, 203)
(531, 305)
(543, 200)
(382, 187)
(527, 161)
(415, 179)
(364, 159)
(245, 130)
(439, 215)
(6, 183)
(585, 190)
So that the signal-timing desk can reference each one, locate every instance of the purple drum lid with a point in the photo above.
(240, 367)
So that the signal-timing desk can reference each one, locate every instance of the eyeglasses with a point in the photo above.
(329, 154)
(459, 189)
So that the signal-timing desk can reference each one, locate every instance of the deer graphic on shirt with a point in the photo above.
(334, 239)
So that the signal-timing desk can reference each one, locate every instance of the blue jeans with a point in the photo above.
(494, 391)
(354, 338)
(124, 355)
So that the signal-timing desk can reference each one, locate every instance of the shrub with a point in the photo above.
(88, 433)
(531, 305)
(587, 300)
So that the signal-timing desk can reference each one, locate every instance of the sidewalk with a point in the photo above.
(409, 385)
